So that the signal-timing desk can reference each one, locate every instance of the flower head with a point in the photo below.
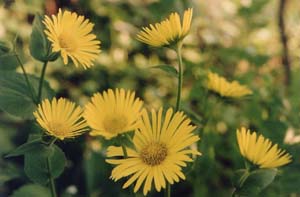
(167, 32)
(71, 35)
(260, 151)
(113, 112)
(60, 118)
(161, 149)
(225, 88)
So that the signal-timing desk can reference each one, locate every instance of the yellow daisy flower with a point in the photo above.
(161, 149)
(70, 34)
(60, 118)
(225, 88)
(113, 112)
(260, 151)
(167, 32)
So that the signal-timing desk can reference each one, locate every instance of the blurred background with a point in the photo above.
(256, 42)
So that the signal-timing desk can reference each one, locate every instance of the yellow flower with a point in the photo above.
(60, 118)
(167, 32)
(71, 35)
(113, 112)
(260, 151)
(225, 88)
(161, 149)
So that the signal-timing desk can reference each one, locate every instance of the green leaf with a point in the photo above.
(32, 190)
(15, 97)
(4, 48)
(256, 181)
(25, 148)
(39, 45)
(8, 61)
(36, 165)
(168, 69)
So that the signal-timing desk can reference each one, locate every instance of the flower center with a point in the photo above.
(58, 129)
(154, 153)
(115, 123)
(67, 42)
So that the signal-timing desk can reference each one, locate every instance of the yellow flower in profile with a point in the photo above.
(113, 112)
(167, 32)
(260, 151)
(161, 149)
(71, 35)
(60, 118)
(225, 88)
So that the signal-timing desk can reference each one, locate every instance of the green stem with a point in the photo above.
(124, 151)
(168, 191)
(26, 78)
(120, 140)
(52, 184)
(180, 77)
(243, 178)
(42, 81)
(51, 180)
(52, 141)
(178, 99)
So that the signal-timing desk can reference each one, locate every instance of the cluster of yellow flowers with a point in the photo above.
(161, 140)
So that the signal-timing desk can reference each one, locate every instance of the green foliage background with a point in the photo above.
(237, 38)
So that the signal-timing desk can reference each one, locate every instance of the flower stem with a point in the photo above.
(178, 99)
(124, 151)
(51, 180)
(42, 81)
(120, 140)
(168, 191)
(26, 78)
(180, 77)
